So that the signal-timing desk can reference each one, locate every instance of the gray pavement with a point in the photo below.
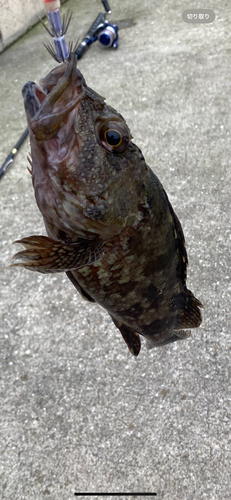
(78, 413)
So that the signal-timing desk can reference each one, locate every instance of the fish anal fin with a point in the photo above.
(45, 255)
(130, 336)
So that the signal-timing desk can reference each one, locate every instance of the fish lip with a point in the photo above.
(33, 97)
(34, 94)
(48, 106)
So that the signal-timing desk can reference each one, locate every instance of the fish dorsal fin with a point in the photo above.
(45, 255)
(179, 235)
(189, 315)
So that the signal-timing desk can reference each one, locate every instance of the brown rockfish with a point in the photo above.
(110, 224)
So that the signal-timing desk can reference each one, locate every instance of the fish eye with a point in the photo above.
(113, 136)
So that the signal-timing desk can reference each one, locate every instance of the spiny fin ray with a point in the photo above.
(45, 255)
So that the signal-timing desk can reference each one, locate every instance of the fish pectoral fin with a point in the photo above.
(45, 255)
(130, 336)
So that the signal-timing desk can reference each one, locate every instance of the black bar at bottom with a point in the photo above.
(117, 494)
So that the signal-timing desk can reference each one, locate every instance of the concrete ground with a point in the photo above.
(78, 412)
(17, 17)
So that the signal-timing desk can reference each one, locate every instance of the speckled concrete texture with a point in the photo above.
(78, 413)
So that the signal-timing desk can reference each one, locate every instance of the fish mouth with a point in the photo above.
(47, 106)
(33, 97)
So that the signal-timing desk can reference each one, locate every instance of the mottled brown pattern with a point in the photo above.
(111, 227)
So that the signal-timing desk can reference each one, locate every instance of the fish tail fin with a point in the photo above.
(45, 255)
(190, 315)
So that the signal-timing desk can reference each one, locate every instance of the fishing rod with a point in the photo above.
(10, 158)
(101, 30)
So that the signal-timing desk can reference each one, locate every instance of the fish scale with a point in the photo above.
(110, 224)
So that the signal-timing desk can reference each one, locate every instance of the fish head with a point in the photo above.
(62, 100)
(82, 154)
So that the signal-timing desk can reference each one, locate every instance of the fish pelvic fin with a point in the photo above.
(130, 336)
(44, 255)
(82, 292)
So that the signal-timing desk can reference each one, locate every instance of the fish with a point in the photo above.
(110, 226)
